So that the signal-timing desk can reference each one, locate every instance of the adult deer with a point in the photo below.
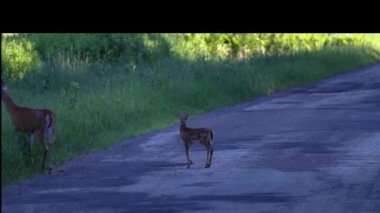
(32, 121)
(203, 135)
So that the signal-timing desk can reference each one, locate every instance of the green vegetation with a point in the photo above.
(105, 88)
(17, 58)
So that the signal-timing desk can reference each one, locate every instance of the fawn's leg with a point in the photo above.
(211, 151)
(187, 147)
(206, 143)
(207, 159)
(209, 155)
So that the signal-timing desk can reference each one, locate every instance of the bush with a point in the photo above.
(99, 47)
(18, 57)
(218, 46)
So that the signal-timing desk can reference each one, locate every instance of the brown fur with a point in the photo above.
(203, 135)
(32, 121)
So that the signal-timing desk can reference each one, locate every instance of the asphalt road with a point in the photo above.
(314, 148)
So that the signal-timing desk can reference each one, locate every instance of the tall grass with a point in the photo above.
(97, 106)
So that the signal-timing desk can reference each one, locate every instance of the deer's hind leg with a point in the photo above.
(211, 151)
(30, 146)
(209, 155)
(206, 142)
(187, 148)
(44, 147)
(50, 131)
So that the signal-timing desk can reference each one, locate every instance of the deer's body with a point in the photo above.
(203, 135)
(32, 121)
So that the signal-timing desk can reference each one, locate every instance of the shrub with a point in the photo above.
(18, 57)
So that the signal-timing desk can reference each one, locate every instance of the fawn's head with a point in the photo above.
(183, 118)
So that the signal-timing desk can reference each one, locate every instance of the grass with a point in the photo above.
(98, 107)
